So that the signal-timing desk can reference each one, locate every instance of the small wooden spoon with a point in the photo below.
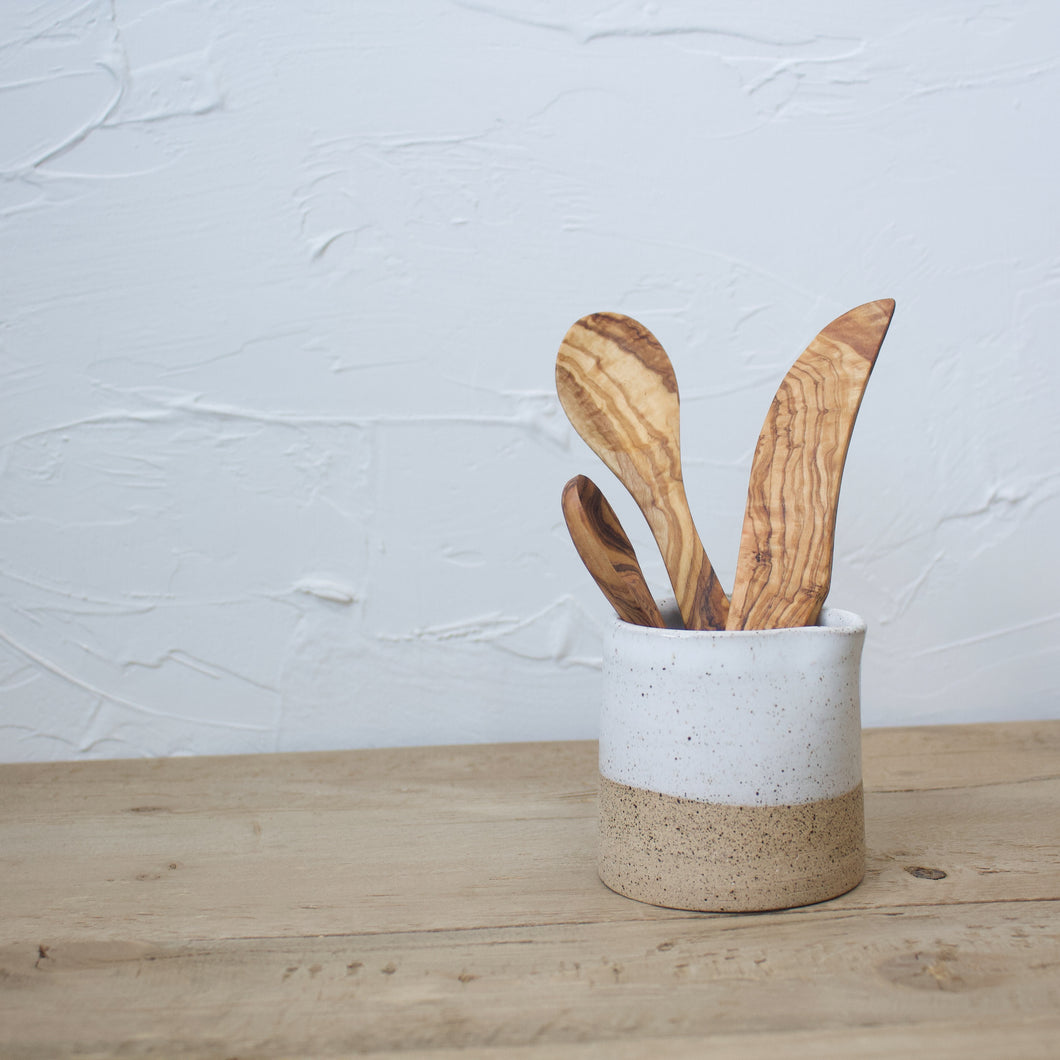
(607, 553)
(618, 388)
(784, 567)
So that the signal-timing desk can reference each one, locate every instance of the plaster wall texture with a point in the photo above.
(281, 288)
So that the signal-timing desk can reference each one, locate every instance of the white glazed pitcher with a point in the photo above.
(730, 765)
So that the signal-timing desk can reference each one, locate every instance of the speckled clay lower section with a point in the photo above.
(713, 857)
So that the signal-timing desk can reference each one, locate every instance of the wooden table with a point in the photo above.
(445, 899)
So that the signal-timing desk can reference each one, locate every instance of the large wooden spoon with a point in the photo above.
(607, 553)
(618, 388)
(784, 567)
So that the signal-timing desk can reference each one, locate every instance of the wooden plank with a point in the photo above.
(1012, 1039)
(697, 976)
(391, 778)
(894, 759)
(940, 756)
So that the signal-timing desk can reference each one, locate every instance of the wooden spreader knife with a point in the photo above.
(619, 390)
(607, 553)
(784, 567)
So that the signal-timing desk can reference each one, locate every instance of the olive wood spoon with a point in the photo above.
(784, 567)
(618, 388)
(607, 553)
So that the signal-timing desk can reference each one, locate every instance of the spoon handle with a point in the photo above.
(607, 553)
(700, 596)
(784, 567)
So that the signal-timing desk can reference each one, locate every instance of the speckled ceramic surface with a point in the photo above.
(730, 765)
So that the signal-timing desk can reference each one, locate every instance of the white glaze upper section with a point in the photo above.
(281, 290)
(756, 718)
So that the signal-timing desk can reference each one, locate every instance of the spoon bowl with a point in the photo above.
(607, 553)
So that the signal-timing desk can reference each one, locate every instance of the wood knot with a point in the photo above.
(922, 873)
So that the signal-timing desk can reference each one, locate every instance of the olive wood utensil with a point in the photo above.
(784, 566)
(619, 390)
(607, 553)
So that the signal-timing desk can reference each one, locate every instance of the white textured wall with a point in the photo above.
(281, 286)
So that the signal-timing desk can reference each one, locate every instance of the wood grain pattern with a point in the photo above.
(784, 566)
(607, 553)
(421, 899)
(618, 388)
